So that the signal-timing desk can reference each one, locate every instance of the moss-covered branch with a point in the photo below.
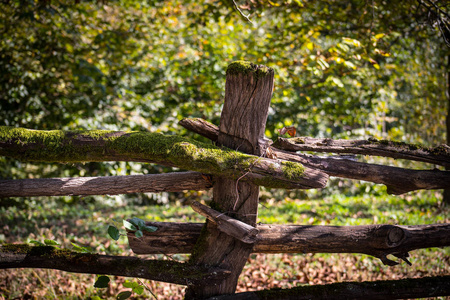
(48, 257)
(101, 145)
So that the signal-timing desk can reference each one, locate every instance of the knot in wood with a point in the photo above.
(395, 235)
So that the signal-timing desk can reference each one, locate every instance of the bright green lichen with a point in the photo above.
(246, 67)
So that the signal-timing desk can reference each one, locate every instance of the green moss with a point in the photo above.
(48, 252)
(292, 170)
(16, 248)
(100, 145)
(297, 140)
(246, 67)
(439, 150)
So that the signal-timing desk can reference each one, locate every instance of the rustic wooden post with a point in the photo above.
(248, 92)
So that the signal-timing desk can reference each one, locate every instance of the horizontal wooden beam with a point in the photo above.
(110, 185)
(375, 240)
(439, 155)
(410, 288)
(184, 153)
(397, 180)
(49, 257)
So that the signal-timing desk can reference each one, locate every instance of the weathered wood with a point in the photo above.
(411, 288)
(235, 228)
(397, 180)
(202, 127)
(438, 155)
(48, 257)
(102, 145)
(375, 240)
(248, 91)
(111, 185)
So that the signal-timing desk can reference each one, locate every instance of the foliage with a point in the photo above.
(341, 70)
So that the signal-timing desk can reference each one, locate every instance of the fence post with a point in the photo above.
(248, 92)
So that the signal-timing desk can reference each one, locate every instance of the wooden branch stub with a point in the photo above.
(235, 228)
(410, 288)
(202, 127)
(439, 155)
(109, 185)
(375, 240)
(48, 257)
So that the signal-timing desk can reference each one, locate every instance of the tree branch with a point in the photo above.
(439, 155)
(111, 185)
(101, 145)
(398, 180)
(48, 257)
(375, 240)
(368, 290)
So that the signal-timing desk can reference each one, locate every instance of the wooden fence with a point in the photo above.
(240, 160)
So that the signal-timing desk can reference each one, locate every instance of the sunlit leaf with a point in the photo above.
(49, 242)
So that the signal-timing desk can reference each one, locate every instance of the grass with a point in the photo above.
(86, 225)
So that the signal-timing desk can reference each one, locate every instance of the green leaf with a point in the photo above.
(150, 228)
(124, 295)
(50, 242)
(95, 298)
(129, 225)
(102, 282)
(37, 243)
(137, 222)
(138, 289)
(139, 233)
(129, 284)
(81, 249)
(113, 232)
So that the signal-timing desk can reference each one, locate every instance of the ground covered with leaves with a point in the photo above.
(85, 225)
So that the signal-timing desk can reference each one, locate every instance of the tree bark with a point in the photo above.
(367, 290)
(102, 145)
(248, 91)
(111, 185)
(375, 240)
(48, 257)
(439, 155)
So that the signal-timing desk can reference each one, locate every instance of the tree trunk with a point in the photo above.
(248, 92)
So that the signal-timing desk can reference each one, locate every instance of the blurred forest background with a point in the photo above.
(343, 69)
(352, 69)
